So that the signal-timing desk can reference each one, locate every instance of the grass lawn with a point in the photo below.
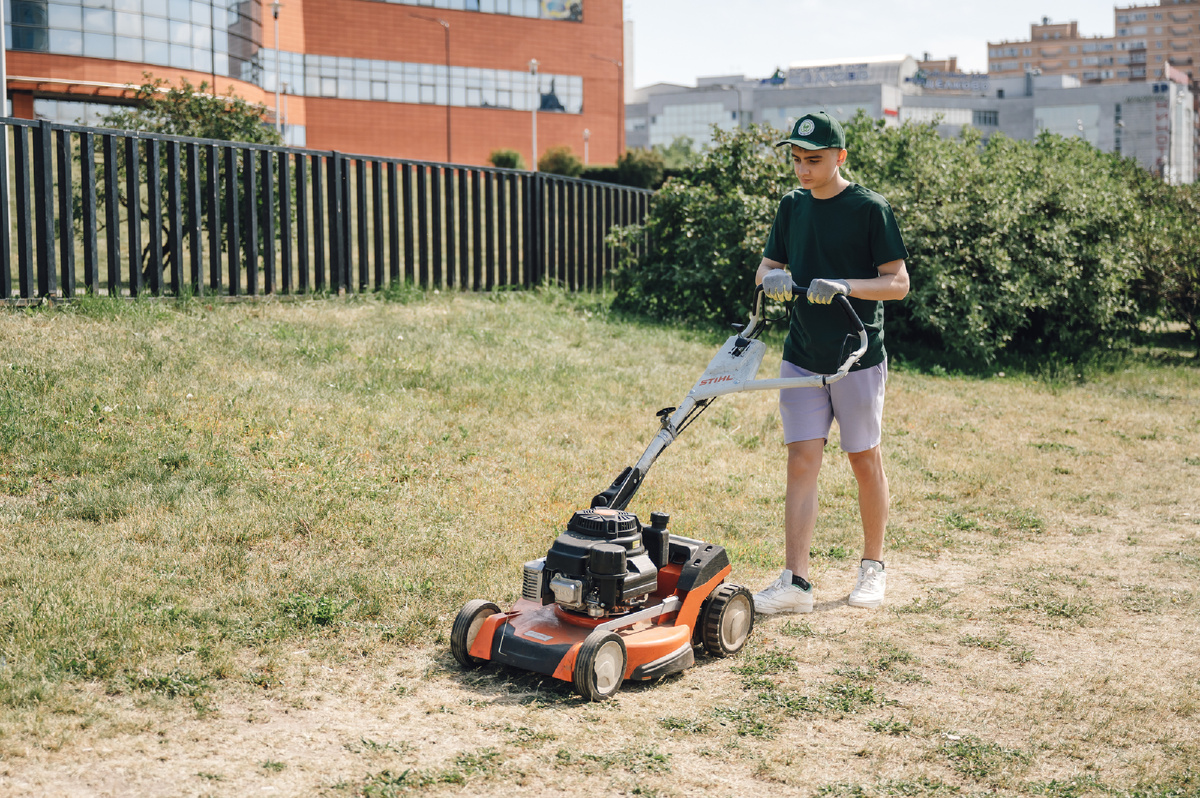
(233, 539)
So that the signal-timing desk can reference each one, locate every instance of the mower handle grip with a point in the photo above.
(841, 300)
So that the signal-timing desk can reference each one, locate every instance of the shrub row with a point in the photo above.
(1015, 247)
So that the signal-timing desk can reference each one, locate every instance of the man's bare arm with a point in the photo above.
(892, 283)
(766, 266)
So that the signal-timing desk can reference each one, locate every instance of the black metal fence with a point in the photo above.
(129, 214)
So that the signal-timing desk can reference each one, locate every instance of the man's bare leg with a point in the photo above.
(800, 502)
(873, 500)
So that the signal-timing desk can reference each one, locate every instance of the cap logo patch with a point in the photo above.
(806, 127)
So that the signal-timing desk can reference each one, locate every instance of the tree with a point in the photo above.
(560, 160)
(681, 153)
(506, 159)
(185, 110)
(188, 110)
(640, 168)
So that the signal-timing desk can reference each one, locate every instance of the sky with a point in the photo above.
(676, 41)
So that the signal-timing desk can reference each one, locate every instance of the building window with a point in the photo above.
(986, 118)
(214, 36)
(570, 10)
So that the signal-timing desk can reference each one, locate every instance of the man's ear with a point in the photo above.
(841, 159)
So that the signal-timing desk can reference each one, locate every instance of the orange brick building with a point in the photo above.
(439, 80)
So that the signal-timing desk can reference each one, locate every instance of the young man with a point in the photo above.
(836, 237)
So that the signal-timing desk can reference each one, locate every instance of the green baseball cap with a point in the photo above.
(818, 131)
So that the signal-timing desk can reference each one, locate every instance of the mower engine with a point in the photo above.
(605, 563)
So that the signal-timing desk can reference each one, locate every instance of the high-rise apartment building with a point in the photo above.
(1147, 39)
(1149, 43)
(445, 80)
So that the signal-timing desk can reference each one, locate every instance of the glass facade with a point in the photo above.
(538, 9)
(221, 37)
(694, 120)
(224, 38)
(426, 84)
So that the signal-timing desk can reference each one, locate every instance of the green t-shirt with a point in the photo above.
(844, 237)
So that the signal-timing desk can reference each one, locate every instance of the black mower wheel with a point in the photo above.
(466, 628)
(727, 620)
(600, 666)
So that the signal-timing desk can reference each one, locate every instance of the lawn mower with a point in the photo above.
(615, 598)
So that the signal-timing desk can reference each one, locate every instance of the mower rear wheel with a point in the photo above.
(600, 666)
(466, 628)
(727, 620)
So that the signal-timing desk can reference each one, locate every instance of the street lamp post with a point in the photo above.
(620, 100)
(537, 100)
(586, 135)
(3, 74)
(446, 31)
(275, 13)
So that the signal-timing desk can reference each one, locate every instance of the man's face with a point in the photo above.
(816, 169)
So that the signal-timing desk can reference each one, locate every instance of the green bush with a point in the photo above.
(1014, 246)
(1045, 247)
(640, 168)
(706, 230)
(1166, 241)
(560, 160)
(506, 159)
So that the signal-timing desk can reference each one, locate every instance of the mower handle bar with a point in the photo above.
(618, 495)
(756, 309)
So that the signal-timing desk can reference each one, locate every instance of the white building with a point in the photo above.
(1152, 122)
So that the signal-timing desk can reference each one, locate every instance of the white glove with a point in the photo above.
(822, 292)
(777, 284)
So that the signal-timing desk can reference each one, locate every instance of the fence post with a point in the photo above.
(318, 225)
(514, 227)
(43, 177)
(154, 201)
(452, 277)
(572, 237)
(364, 251)
(233, 223)
(285, 221)
(464, 231)
(532, 234)
(302, 222)
(422, 273)
(503, 267)
(195, 250)
(66, 218)
(480, 280)
(250, 200)
(5, 220)
(133, 202)
(393, 192)
(267, 223)
(25, 271)
(337, 263)
(377, 219)
(175, 215)
(112, 216)
(213, 195)
(489, 228)
(435, 220)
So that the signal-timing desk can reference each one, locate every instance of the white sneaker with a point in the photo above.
(781, 596)
(872, 581)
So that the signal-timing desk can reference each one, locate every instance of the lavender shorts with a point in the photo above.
(856, 401)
